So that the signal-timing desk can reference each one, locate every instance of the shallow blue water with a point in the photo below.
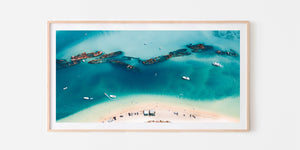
(207, 81)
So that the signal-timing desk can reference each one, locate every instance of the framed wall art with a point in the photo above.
(148, 75)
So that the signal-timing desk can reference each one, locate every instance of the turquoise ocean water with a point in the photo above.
(207, 82)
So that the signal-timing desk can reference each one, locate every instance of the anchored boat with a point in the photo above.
(110, 96)
(185, 78)
(217, 64)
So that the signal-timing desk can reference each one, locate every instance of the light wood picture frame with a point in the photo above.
(148, 76)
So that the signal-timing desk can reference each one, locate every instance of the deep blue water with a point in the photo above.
(207, 81)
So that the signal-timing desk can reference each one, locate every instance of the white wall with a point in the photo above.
(275, 76)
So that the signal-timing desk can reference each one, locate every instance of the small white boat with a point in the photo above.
(110, 96)
(86, 98)
(83, 60)
(107, 95)
(185, 78)
(217, 64)
(65, 88)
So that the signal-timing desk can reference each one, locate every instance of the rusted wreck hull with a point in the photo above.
(61, 61)
(113, 54)
(156, 59)
(97, 61)
(229, 53)
(180, 52)
(60, 64)
(124, 65)
(177, 53)
(85, 55)
(103, 58)
(199, 47)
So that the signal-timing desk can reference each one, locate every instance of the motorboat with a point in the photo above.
(110, 96)
(86, 98)
(217, 64)
(185, 78)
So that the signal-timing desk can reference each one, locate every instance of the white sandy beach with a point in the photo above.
(167, 110)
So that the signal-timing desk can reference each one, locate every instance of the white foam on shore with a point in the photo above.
(225, 107)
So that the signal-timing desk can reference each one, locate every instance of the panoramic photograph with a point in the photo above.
(147, 76)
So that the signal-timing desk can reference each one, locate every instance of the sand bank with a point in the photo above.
(166, 108)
